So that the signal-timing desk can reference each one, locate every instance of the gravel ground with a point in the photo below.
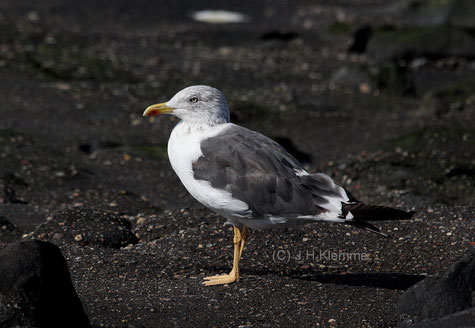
(80, 166)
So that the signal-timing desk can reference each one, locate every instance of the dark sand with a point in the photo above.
(75, 78)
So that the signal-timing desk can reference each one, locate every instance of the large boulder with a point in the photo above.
(413, 42)
(36, 288)
(440, 297)
(463, 319)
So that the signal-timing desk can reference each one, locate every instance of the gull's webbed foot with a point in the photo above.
(221, 279)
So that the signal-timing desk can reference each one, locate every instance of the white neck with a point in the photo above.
(196, 127)
(204, 120)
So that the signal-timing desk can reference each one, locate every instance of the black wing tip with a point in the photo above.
(406, 215)
(367, 226)
(371, 228)
(411, 214)
(368, 212)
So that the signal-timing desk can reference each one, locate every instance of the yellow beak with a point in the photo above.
(158, 109)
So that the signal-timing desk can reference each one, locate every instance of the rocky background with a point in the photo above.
(379, 94)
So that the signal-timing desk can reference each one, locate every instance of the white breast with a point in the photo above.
(183, 150)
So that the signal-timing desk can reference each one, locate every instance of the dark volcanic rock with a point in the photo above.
(8, 232)
(427, 79)
(278, 35)
(421, 12)
(88, 226)
(36, 288)
(464, 318)
(409, 43)
(460, 13)
(437, 297)
(449, 98)
(8, 184)
(420, 170)
(360, 39)
(392, 76)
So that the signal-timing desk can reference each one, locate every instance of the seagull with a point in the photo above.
(250, 179)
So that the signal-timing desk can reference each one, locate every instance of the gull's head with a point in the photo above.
(198, 104)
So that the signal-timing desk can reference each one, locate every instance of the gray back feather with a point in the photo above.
(259, 172)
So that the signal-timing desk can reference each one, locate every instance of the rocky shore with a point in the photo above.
(94, 224)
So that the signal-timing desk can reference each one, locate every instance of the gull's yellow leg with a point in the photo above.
(244, 236)
(234, 274)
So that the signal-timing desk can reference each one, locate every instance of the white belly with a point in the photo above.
(183, 150)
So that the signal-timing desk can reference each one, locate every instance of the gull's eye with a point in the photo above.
(193, 99)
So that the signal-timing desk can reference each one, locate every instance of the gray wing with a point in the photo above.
(259, 172)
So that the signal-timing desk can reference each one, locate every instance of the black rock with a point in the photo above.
(459, 13)
(429, 78)
(420, 12)
(87, 226)
(438, 297)
(36, 288)
(410, 43)
(449, 98)
(8, 183)
(8, 232)
(360, 39)
(279, 35)
(462, 14)
(94, 145)
(464, 319)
